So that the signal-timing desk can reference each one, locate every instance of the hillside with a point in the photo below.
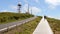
(55, 25)
(6, 17)
(26, 28)
(30, 26)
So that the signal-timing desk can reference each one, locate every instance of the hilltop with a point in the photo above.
(9, 17)
(6, 17)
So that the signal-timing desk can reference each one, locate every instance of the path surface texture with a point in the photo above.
(14, 24)
(43, 27)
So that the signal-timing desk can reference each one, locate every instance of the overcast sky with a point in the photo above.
(50, 8)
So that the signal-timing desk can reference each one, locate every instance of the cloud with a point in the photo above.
(34, 10)
(54, 17)
(5, 11)
(53, 3)
(36, 1)
(24, 8)
(13, 7)
(26, 1)
(51, 7)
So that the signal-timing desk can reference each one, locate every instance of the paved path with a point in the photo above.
(43, 27)
(13, 24)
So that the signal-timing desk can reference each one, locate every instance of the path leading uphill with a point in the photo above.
(4, 27)
(43, 27)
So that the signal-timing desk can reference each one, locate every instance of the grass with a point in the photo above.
(26, 28)
(7, 17)
(55, 25)
(29, 27)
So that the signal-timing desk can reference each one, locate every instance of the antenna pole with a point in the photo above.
(31, 10)
(28, 8)
(19, 6)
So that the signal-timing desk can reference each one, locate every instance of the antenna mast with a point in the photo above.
(31, 10)
(19, 6)
(28, 8)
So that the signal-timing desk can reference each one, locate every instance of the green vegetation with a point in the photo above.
(29, 27)
(55, 24)
(6, 17)
(26, 28)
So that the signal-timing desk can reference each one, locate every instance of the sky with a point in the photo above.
(50, 8)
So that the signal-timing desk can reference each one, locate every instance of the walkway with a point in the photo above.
(43, 27)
